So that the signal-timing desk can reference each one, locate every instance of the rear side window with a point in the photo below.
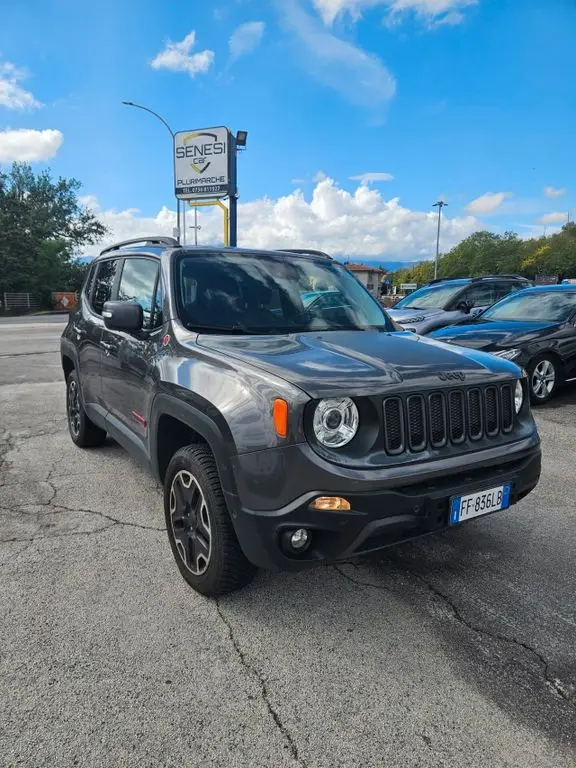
(138, 284)
(89, 281)
(106, 272)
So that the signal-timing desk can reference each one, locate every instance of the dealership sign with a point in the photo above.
(202, 163)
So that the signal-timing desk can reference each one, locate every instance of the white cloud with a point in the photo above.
(558, 217)
(553, 192)
(367, 178)
(319, 176)
(360, 77)
(245, 38)
(12, 95)
(362, 224)
(433, 12)
(487, 203)
(27, 145)
(178, 57)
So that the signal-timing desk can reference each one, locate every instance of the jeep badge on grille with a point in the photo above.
(452, 376)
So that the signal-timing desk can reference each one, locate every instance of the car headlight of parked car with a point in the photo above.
(508, 354)
(335, 422)
(518, 396)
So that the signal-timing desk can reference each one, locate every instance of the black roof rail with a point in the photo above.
(496, 277)
(306, 252)
(165, 241)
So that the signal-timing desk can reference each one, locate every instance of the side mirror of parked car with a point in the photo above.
(464, 306)
(123, 316)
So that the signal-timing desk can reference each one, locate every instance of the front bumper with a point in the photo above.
(379, 517)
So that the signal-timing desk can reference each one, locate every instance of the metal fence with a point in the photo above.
(20, 302)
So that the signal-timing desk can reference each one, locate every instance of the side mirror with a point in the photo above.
(123, 316)
(464, 306)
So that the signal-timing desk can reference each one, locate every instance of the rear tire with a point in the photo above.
(200, 530)
(545, 375)
(84, 433)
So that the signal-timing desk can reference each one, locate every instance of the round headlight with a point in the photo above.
(518, 396)
(335, 422)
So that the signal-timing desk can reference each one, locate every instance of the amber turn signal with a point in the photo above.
(331, 504)
(280, 413)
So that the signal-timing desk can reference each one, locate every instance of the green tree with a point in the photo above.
(42, 226)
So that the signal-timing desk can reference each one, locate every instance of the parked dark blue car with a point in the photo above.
(535, 328)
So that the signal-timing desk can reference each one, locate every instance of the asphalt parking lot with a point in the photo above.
(458, 650)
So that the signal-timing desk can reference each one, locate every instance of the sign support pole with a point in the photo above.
(201, 203)
(233, 192)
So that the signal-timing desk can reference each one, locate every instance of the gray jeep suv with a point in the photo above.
(286, 433)
(450, 302)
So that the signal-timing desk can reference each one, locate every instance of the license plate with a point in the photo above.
(481, 503)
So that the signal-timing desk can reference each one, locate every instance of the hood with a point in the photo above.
(484, 334)
(412, 315)
(358, 362)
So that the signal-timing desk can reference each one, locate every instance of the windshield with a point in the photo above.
(266, 294)
(552, 307)
(429, 297)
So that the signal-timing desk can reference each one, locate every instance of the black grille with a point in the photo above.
(475, 414)
(491, 396)
(414, 422)
(417, 422)
(393, 425)
(507, 397)
(456, 416)
(437, 420)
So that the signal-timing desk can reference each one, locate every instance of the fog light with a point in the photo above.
(330, 503)
(300, 539)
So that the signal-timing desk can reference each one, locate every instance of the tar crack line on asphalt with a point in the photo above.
(552, 683)
(28, 354)
(265, 694)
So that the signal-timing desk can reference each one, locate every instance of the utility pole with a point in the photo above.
(439, 204)
(159, 117)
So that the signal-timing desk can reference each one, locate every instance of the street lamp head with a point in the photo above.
(241, 138)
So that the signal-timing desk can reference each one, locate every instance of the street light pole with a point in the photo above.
(440, 204)
(159, 117)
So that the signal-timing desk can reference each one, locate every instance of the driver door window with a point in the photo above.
(138, 284)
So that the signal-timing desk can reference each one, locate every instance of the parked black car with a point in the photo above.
(446, 302)
(286, 435)
(536, 329)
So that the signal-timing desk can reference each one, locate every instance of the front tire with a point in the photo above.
(84, 433)
(545, 375)
(200, 530)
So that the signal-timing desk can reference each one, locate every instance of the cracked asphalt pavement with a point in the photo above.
(457, 650)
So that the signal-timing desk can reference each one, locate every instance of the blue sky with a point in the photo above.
(471, 100)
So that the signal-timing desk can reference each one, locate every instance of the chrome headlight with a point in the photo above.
(335, 422)
(508, 354)
(518, 396)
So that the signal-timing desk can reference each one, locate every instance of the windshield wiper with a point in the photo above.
(217, 328)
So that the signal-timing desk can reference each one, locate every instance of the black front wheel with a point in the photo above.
(545, 375)
(84, 433)
(199, 527)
